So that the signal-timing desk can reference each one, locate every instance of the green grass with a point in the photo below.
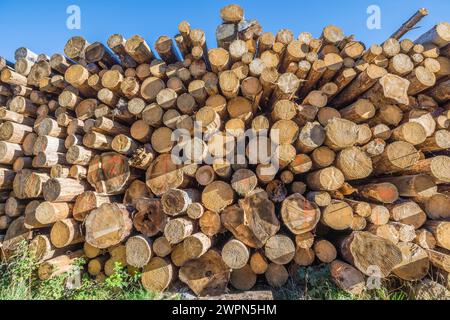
(314, 283)
(19, 281)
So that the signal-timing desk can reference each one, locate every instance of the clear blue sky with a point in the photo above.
(41, 25)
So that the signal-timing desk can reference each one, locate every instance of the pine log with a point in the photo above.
(63, 190)
(354, 164)
(396, 157)
(279, 249)
(108, 225)
(210, 223)
(138, 251)
(86, 202)
(338, 215)
(408, 212)
(363, 82)
(383, 258)
(415, 262)
(158, 274)
(59, 265)
(28, 184)
(150, 218)
(441, 231)
(328, 179)
(207, 275)
(235, 254)
(347, 278)
(413, 186)
(66, 232)
(253, 223)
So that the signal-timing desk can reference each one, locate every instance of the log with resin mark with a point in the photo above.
(379, 192)
(110, 173)
(208, 275)
(299, 215)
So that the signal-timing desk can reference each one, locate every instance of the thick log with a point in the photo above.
(108, 225)
(338, 215)
(150, 218)
(347, 278)
(384, 257)
(299, 215)
(86, 202)
(279, 249)
(158, 274)
(235, 254)
(421, 186)
(354, 164)
(438, 35)
(363, 82)
(207, 275)
(110, 173)
(253, 223)
(217, 196)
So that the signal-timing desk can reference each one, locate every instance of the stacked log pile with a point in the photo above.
(359, 135)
